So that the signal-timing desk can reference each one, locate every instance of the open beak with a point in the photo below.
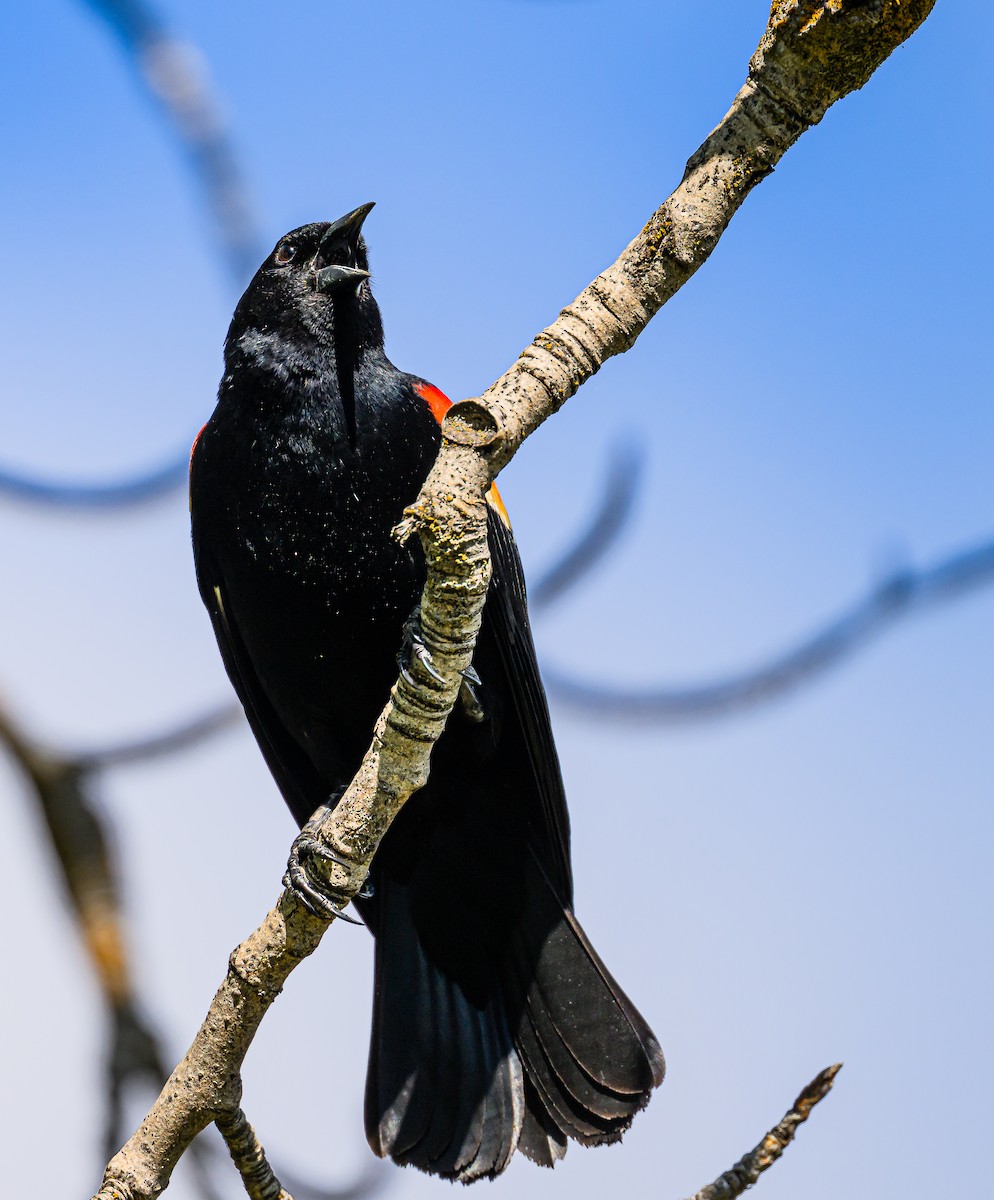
(346, 229)
(343, 233)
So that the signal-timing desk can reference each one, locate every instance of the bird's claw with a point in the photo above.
(468, 695)
(309, 889)
(413, 647)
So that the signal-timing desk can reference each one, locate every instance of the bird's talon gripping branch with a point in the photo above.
(469, 698)
(308, 889)
(305, 888)
(413, 646)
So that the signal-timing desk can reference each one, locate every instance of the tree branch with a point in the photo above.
(174, 73)
(623, 481)
(77, 834)
(811, 55)
(621, 488)
(175, 76)
(749, 1168)
(901, 594)
(118, 493)
(249, 1158)
(157, 745)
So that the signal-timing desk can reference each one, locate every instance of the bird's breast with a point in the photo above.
(301, 524)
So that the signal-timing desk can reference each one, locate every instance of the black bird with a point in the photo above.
(496, 1026)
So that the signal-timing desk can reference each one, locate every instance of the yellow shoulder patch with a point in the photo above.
(497, 504)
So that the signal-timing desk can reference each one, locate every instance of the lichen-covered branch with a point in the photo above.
(250, 1159)
(207, 1085)
(749, 1168)
(811, 55)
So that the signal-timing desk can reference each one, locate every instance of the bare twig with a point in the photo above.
(749, 1168)
(621, 488)
(249, 1158)
(120, 493)
(181, 737)
(78, 835)
(83, 852)
(176, 76)
(899, 595)
(813, 53)
(370, 1181)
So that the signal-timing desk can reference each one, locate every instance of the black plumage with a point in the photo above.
(495, 1025)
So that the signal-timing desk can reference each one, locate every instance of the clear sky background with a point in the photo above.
(777, 890)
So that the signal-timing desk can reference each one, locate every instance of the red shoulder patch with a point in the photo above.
(193, 448)
(440, 404)
(437, 401)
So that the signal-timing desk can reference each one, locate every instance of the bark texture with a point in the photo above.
(749, 1168)
(812, 54)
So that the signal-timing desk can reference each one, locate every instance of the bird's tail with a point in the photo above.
(554, 1050)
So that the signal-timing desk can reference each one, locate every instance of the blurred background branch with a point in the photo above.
(901, 594)
(62, 790)
(175, 74)
(625, 474)
(116, 494)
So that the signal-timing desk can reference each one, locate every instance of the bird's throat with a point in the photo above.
(345, 367)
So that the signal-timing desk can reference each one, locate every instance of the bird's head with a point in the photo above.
(315, 279)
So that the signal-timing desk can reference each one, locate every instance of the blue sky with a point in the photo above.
(778, 890)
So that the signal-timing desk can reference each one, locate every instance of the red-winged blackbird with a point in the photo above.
(495, 1025)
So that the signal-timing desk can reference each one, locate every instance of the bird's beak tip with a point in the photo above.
(349, 225)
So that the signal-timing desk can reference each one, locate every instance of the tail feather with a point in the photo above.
(591, 1056)
(444, 1086)
(399, 1101)
(542, 1140)
(504, 1110)
(442, 1069)
(574, 1001)
(552, 1104)
(550, 1049)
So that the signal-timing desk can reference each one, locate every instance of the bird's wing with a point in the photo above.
(506, 628)
(293, 771)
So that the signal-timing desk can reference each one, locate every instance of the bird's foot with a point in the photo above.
(307, 886)
(469, 697)
(413, 647)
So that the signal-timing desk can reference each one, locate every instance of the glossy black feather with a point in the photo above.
(495, 1025)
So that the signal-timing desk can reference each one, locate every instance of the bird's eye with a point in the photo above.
(285, 253)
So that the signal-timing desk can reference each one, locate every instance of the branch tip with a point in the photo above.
(817, 1089)
(749, 1168)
